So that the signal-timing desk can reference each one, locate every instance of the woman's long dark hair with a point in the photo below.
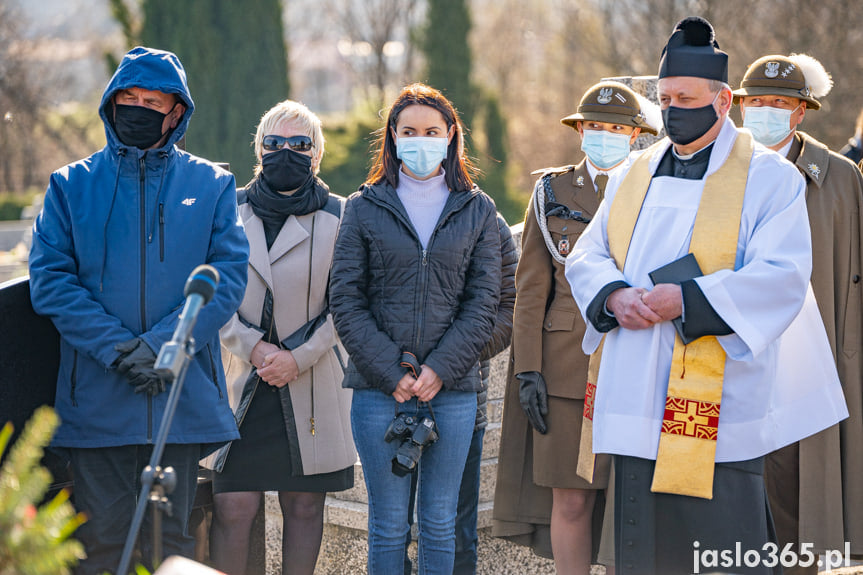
(457, 166)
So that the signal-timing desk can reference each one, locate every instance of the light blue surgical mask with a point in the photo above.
(605, 149)
(768, 125)
(422, 155)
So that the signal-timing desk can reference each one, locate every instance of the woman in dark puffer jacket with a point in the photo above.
(416, 269)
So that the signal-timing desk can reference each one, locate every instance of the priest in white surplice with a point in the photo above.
(689, 424)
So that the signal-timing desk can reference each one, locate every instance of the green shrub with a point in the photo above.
(11, 203)
(348, 152)
(34, 539)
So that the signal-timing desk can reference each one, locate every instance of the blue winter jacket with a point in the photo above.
(117, 237)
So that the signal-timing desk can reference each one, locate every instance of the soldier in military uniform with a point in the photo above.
(537, 482)
(814, 485)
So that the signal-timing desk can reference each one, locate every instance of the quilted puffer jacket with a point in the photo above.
(501, 336)
(389, 295)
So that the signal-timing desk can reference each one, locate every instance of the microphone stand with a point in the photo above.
(155, 481)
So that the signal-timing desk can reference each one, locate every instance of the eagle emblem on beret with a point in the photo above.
(604, 95)
(771, 70)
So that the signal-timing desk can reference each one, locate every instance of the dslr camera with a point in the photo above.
(415, 433)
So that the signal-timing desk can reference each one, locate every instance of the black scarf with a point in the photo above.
(274, 208)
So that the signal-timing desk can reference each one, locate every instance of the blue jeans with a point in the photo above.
(466, 537)
(440, 471)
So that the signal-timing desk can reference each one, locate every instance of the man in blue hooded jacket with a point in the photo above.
(118, 235)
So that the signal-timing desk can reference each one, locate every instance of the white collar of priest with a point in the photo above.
(685, 158)
(689, 167)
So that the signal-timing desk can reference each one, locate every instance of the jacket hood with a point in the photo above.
(149, 69)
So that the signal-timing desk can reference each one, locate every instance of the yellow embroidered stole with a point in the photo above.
(687, 443)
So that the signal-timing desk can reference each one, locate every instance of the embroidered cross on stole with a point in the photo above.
(687, 442)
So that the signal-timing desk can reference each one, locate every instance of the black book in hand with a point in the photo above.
(677, 272)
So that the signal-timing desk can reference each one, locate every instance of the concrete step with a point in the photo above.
(483, 514)
(349, 508)
(357, 493)
(491, 440)
(488, 471)
(497, 377)
(349, 514)
(487, 479)
(495, 410)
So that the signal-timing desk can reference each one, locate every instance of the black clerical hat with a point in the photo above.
(692, 50)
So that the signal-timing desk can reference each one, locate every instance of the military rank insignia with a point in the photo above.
(563, 246)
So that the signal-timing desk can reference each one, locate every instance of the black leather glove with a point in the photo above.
(533, 397)
(136, 363)
(133, 352)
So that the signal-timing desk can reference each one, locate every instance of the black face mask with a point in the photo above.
(286, 170)
(685, 125)
(138, 126)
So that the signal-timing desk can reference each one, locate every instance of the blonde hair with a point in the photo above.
(286, 112)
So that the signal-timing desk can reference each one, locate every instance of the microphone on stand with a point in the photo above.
(199, 290)
(174, 358)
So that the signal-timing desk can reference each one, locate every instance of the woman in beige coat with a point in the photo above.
(282, 358)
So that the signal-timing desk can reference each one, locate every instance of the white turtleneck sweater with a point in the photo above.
(424, 201)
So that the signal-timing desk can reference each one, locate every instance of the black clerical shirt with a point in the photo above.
(692, 168)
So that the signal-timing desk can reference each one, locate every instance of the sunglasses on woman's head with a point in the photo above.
(273, 143)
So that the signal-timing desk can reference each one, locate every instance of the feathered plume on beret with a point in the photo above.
(797, 75)
(818, 80)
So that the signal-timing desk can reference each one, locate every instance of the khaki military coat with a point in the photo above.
(831, 462)
(547, 326)
(296, 270)
(546, 337)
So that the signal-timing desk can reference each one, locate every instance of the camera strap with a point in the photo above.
(431, 411)
(412, 365)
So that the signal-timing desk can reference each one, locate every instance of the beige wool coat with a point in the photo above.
(831, 462)
(296, 269)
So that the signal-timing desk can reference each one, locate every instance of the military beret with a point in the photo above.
(613, 103)
(796, 76)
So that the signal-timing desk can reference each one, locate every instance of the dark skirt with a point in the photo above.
(664, 534)
(260, 460)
